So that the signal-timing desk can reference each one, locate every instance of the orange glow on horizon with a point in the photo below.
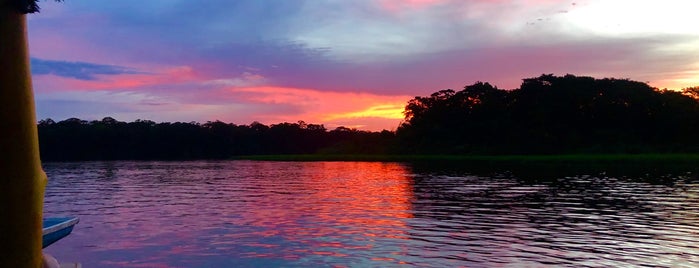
(221, 97)
(361, 110)
(380, 111)
(182, 93)
(678, 82)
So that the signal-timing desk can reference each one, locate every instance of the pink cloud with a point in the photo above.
(174, 75)
(180, 94)
(209, 67)
(361, 110)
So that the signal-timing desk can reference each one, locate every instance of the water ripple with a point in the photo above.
(351, 214)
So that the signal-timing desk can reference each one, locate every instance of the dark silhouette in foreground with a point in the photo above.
(553, 114)
(546, 115)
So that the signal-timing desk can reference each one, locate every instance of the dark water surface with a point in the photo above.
(361, 214)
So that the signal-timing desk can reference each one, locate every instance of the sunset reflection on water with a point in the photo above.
(235, 213)
(363, 214)
(328, 209)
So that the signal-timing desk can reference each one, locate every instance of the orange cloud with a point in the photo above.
(239, 99)
(360, 110)
(389, 111)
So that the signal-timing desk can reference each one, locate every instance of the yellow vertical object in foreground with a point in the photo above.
(22, 180)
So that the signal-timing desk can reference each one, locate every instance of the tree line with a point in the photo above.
(546, 115)
(553, 114)
(110, 139)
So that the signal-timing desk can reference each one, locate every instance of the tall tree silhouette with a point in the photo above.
(552, 114)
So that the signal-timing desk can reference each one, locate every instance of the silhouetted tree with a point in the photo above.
(27, 6)
(110, 139)
(692, 92)
(547, 114)
(552, 114)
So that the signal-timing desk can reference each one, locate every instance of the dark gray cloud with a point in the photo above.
(77, 70)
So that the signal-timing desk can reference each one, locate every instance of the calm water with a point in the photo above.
(352, 214)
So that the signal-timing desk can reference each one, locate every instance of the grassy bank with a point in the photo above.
(664, 158)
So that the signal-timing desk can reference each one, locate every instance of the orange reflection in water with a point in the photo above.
(366, 197)
(238, 213)
(344, 208)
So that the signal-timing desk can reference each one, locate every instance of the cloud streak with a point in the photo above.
(78, 70)
(227, 59)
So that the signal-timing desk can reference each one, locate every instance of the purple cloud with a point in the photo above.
(77, 70)
(380, 47)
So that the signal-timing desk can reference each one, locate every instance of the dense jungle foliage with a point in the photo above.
(546, 115)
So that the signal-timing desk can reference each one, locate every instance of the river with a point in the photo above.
(368, 214)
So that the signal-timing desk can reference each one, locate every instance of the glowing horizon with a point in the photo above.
(353, 64)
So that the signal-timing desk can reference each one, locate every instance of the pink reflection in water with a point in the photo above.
(343, 206)
(245, 213)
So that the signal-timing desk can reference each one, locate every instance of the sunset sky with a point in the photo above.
(351, 63)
